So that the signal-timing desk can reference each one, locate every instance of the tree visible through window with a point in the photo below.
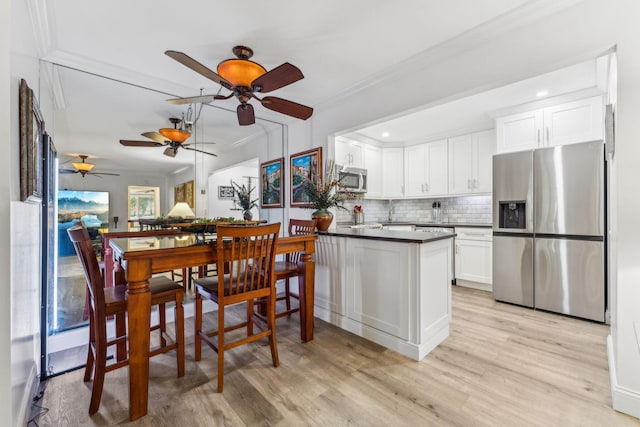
(144, 202)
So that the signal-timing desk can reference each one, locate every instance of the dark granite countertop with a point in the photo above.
(441, 224)
(389, 235)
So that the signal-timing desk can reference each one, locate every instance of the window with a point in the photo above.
(144, 202)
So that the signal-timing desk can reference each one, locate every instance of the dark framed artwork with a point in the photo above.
(225, 192)
(271, 194)
(31, 151)
(184, 193)
(306, 165)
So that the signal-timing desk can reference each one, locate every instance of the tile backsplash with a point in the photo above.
(459, 210)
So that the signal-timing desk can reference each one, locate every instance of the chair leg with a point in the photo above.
(88, 370)
(162, 319)
(198, 325)
(121, 331)
(220, 347)
(98, 377)
(250, 311)
(287, 293)
(271, 325)
(179, 325)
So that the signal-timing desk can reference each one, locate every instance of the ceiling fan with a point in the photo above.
(172, 138)
(84, 168)
(246, 78)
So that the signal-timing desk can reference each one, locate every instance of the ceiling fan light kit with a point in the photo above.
(176, 135)
(246, 78)
(83, 166)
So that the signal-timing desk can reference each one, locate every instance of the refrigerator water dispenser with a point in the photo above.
(512, 215)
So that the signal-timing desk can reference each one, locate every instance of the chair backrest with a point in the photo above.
(82, 243)
(250, 253)
(300, 227)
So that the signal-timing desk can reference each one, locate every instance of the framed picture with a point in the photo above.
(305, 165)
(31, 151)
(271, 184)
(184, 193)
(225, 192)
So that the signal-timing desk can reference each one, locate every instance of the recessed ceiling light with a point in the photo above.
(385, 134)
(542, 93)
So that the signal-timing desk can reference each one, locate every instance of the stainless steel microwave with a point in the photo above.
(353, 179)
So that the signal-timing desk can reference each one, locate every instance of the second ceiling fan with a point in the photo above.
(246, 78)
(172, 138)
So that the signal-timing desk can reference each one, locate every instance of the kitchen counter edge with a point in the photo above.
(388, 235)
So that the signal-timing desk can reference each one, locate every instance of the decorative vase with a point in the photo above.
(323, 219)
(247, 215)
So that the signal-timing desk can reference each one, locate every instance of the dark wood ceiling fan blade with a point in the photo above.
(246, 116)
(280, 76)
(197, 143)
(199, 151)
(102, 173)
(157, 137)
(289, 108)
(192, 100)
(189, 62)
(67, 171)
(130, 143)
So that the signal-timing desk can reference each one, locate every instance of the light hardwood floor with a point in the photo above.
(502, 365)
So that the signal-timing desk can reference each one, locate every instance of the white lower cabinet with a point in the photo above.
(473, 257)
(394, 293)
(376, 295)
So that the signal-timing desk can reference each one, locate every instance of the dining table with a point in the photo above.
(136, 259)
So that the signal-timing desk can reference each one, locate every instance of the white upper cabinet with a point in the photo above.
(426, 169)
(568, 123)
(373, 164)
(349, 153)
(393, 166)
(470, 163)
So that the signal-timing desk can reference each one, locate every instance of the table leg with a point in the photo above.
(306, 275)
(139, 316)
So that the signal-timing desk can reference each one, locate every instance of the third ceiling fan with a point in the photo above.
(246, 78)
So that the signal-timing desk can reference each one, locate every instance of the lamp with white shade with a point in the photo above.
(181, 210)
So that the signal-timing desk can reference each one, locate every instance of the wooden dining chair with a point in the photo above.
(288, 268)
(112, 301)
(249, 251)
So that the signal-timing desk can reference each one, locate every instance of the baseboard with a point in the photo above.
(623, 399)
(24, 412)
(474, 285)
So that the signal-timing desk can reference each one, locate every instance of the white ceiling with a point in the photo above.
(337, 44)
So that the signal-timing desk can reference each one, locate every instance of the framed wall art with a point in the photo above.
(31, 151)
(184, 193)
(225, 192)
(306, 165)
(271, 194)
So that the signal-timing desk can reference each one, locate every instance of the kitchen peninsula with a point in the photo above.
(391, 287)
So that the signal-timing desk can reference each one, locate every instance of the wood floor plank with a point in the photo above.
(502, 365)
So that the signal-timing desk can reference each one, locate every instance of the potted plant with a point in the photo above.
(324, 196)
(243, 199)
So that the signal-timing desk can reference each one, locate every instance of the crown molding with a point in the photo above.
(41, 29)
(522, 16)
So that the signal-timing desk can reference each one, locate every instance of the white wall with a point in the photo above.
(577, 33)
(21, 326)
(225, 207)
(7, 180)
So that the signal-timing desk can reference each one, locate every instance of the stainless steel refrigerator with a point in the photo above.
(549, 228)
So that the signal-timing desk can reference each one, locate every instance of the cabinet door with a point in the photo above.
(460, 157)
(572, 122)
(519, 132)
(474, 261)
(393, 165)
(416, 165)
(484, 146)
(373, 164)
(348, 152)
(437, 168)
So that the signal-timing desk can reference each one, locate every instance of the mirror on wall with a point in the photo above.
(90, 115)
